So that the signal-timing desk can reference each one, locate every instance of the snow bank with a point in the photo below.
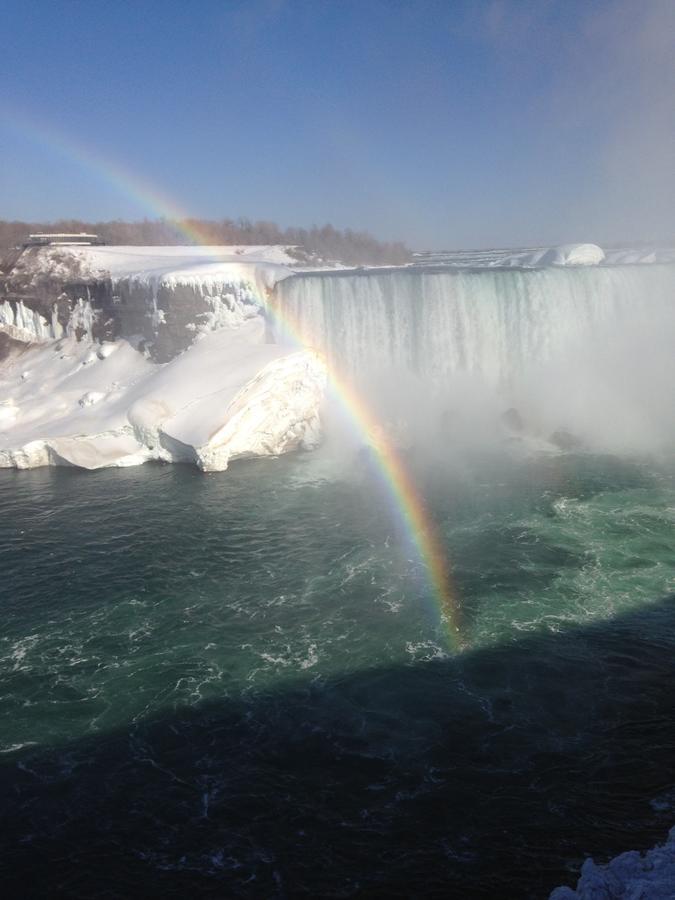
(573, 255)
(212, 271)
(125, 261)
(228, 396)
(629, 876)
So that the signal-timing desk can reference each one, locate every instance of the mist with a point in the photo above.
(503, 362)
(590, 156)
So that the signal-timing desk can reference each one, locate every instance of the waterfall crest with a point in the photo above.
(491, 324)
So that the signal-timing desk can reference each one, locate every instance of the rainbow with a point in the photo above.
(142, 193)
(418, 524)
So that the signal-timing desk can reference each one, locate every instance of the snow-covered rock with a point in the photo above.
(630, 876)
(105, 350)
(230, 395)
(91, 397)
(84, 262)
(166, 295)
(276, 412)
(196, 380)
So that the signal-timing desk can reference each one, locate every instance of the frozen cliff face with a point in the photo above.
(169, 295)
(229, 396)
(22, 323)
(33, 295)
(169, 313)
(207, 389)
(165, 295)
(630, 876)
(30, 325)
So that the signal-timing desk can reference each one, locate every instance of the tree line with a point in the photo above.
(318, 243)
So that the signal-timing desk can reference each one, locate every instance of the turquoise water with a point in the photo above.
(238, 684)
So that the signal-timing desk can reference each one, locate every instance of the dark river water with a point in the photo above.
(238, 685)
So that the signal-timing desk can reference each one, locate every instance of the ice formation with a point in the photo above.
(218, 391)
(630, 876)
(228, 396)
(24, 324)
(165, 294)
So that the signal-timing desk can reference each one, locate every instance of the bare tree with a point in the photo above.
(318, 243)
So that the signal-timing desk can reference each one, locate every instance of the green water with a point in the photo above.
(239, 684)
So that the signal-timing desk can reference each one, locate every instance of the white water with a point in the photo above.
(492, 323)
(586, 348)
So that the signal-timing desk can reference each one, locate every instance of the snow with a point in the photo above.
(573, 255)
(228, 396)
(539, 257)
(564, 255)
(630, 876)
(122, 261)
(264, 264)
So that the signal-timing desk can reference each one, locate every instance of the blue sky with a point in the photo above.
(444, 124)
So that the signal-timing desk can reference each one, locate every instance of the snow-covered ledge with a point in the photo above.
(230, 395)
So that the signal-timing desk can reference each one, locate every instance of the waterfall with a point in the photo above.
(493, 324)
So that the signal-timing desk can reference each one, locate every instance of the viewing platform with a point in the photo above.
(43, 239)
